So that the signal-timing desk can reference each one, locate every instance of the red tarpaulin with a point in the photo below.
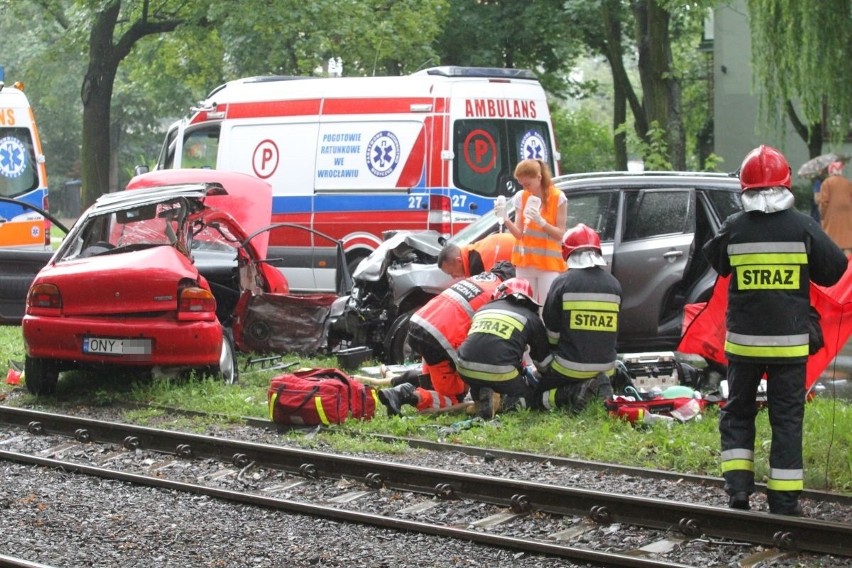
(705, 334)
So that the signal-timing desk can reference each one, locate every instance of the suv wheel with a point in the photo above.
(397, 349)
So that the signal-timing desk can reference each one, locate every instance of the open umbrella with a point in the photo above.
(817, 166)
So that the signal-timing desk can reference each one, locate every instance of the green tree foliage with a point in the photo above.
(802, 65)
(584, 144)
(506, 33)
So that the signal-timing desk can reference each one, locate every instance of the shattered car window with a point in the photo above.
(131, 228)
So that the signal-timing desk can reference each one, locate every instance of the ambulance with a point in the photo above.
(23, 176)
(353, 157)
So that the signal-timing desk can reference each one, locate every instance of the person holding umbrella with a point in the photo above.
(835, 207)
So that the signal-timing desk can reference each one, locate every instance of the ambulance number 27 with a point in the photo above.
(419, 201)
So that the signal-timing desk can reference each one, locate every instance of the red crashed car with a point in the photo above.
(170, 273)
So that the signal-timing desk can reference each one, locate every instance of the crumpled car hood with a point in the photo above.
(134, 282)
(403, 246)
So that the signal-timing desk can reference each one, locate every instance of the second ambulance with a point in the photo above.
(353, 157)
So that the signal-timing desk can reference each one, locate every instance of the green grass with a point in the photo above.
(692, 447)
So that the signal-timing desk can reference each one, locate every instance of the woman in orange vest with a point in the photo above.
(537, 255)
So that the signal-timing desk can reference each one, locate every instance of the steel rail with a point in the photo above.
(528, 546)
(522, 496)
(486, 453)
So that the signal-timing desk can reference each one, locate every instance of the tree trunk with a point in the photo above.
(623, 92)
(660, 88)
(96, 95)
(810, 134)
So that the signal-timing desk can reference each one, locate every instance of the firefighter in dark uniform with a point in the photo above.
(581, 316)
(491, 359)
(435, 332)
(772, 252)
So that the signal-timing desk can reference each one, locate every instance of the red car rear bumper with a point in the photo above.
(140, 342)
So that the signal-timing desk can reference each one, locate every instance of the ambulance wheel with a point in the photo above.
(41, 375)
(228, 369)
(397, 349)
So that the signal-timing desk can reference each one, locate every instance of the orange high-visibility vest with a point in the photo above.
(540, 249)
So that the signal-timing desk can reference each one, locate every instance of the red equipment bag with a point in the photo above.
(680, 408)
(310, 397)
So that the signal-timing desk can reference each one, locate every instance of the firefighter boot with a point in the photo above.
(487, 403)
(510, 402)
(739, 500)
(395, 397)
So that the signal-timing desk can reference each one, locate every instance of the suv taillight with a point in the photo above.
(196, 303)
(44, 297)
(440, 214)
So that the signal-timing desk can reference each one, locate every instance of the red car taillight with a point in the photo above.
(440, 214)
(196, 303)
(44, 297)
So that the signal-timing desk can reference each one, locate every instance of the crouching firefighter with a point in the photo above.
(491, 359)
(771, 252)
(435, 332)
(581, 317)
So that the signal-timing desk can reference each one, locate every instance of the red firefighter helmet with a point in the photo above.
(518, 288)
(580, 237)
(764, 167)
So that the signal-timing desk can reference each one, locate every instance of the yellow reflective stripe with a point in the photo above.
(737, 465)
(272, 400)
(549, 399)
(589, 305)
(375, 394)
(785, 484)
(552, 337)
(769, 258)
(320, 410)
(773, 351)
(485, 376)
(577, 373)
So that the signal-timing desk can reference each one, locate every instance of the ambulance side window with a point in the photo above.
(200, 148)
(531, 141)
(166, 161)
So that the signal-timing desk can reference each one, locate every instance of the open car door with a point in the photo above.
(283, 322)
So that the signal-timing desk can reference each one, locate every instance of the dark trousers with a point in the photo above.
(785, 393)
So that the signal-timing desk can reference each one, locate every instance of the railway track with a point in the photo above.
(536, 518)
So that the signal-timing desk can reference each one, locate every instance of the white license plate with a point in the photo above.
(116, 346)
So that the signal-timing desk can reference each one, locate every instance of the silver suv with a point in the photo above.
(652, 227)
